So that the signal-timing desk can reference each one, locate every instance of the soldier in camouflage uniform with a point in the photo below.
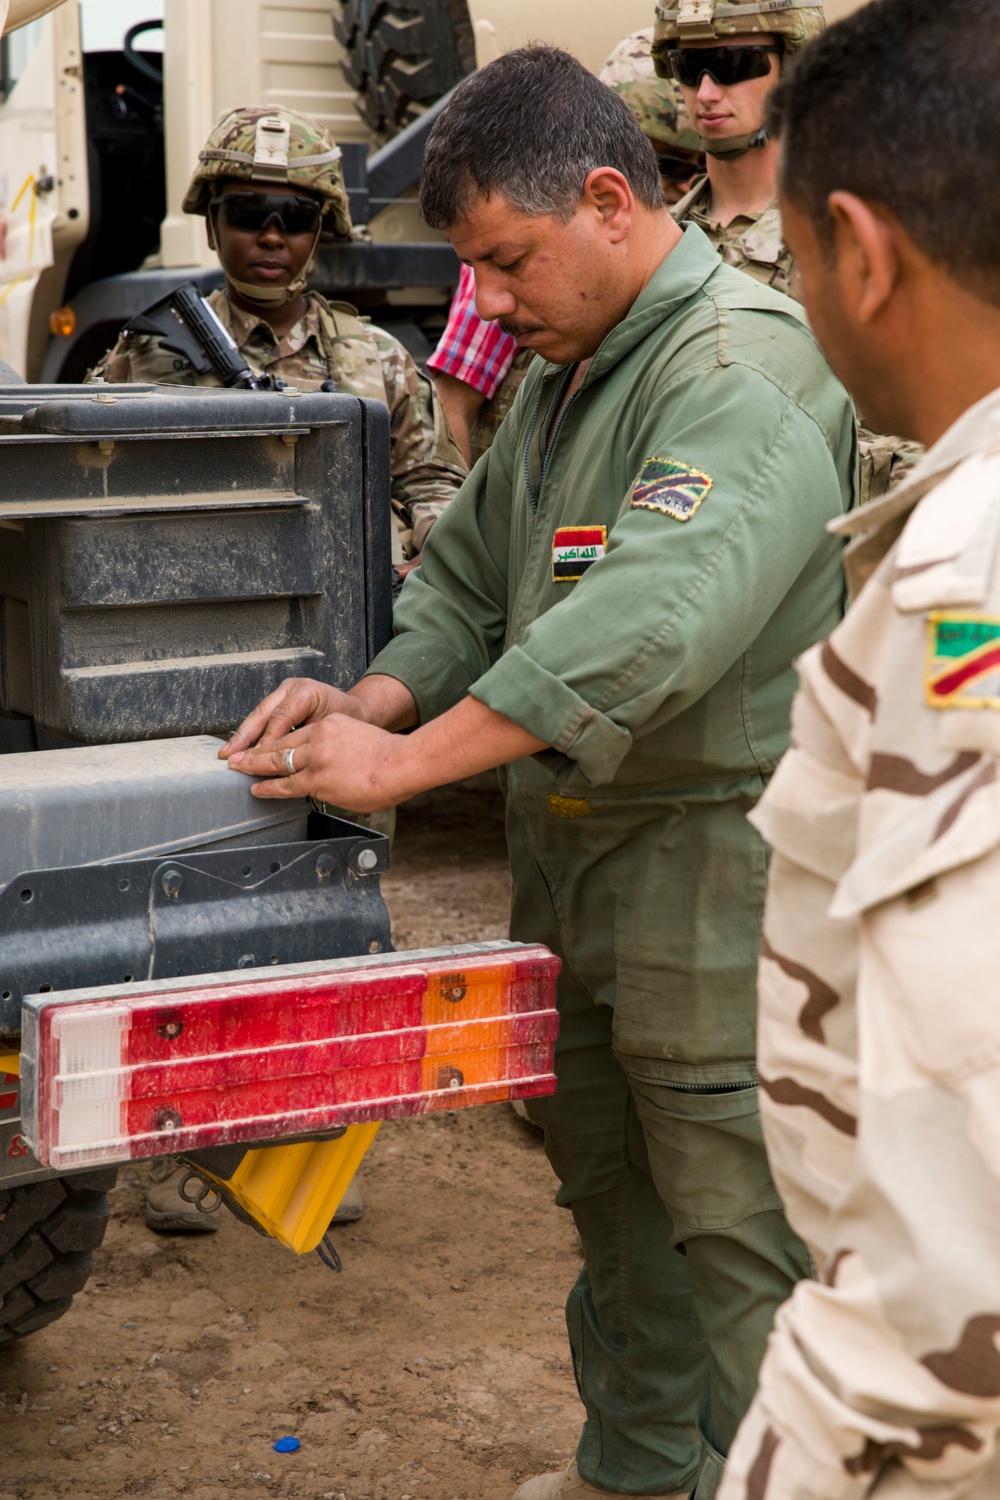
(282, 329)
(743, 169)
(659, 108)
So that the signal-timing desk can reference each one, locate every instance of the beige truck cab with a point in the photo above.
(97, 147)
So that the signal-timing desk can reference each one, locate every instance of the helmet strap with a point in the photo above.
(736, 145)
(265, 296)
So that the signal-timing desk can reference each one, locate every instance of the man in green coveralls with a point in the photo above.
(610, 609)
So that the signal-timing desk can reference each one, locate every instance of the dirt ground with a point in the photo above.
(434, 1368)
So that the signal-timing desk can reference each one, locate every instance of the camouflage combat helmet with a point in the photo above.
(656, 102)
(797, 22)
(272, 147)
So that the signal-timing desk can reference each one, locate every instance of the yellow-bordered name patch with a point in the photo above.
(670, 487)
(963, 660)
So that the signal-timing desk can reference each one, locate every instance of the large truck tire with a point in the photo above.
(401, 55)
(48, 1233)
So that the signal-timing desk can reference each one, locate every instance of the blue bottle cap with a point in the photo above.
(287, 1445)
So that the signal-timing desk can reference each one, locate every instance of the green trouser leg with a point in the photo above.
(638, 1353)
(687, 1252)
(708, 1161)
(654, 902)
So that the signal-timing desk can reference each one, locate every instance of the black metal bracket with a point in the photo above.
(163, 918)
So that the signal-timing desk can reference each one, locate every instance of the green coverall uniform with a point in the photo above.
(711, 441)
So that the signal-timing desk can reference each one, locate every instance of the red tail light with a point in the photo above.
(136, 1071)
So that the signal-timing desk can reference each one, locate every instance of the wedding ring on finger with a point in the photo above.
(290, 762)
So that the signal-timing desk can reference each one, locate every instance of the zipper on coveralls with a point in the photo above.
(549, 446)
(697, 1088)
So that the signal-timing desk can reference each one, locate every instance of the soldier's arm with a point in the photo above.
(140, 359)
(115, 366)
(427, 466)
(461, 402)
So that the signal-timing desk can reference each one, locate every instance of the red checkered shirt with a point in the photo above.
(469, 349)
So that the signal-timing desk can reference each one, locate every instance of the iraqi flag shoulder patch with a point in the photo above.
(575, 549)
(672, 488)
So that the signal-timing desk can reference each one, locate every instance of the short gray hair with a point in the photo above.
(532, 125)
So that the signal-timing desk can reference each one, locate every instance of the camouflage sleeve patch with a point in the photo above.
(672, 488)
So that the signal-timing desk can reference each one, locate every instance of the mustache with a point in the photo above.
(518, 330)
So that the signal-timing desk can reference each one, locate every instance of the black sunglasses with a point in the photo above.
(676, 169)
(255, 211)
(727, 65)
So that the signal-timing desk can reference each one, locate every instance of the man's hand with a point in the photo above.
(349, 760)
(296, 702)
(340, 759)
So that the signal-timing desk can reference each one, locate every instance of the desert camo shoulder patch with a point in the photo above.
(963, 660)
(670, 487)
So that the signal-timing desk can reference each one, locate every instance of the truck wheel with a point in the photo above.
(401, 55)
(48, 1231)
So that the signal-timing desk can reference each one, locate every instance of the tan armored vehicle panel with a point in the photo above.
(588, 31)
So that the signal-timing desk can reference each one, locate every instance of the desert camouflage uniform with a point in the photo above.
(879, 1042)
(331, 342)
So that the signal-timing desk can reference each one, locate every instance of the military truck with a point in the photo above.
(185, 969)
(97, 148)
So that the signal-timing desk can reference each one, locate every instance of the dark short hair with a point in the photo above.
(532, 125)
(898, 104)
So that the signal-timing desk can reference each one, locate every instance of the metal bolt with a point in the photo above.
(325, 866)
(105, 400)
(454, 992)
(367, 859)
(170, 1030)
(171, 883)
(166, 1119)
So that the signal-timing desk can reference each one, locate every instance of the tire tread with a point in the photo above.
(48, 1234)
(402, 55)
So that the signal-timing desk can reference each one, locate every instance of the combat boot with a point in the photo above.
(166, 1211)
(570, 1485)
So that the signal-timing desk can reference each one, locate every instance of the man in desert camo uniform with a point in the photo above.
(879, 1037)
